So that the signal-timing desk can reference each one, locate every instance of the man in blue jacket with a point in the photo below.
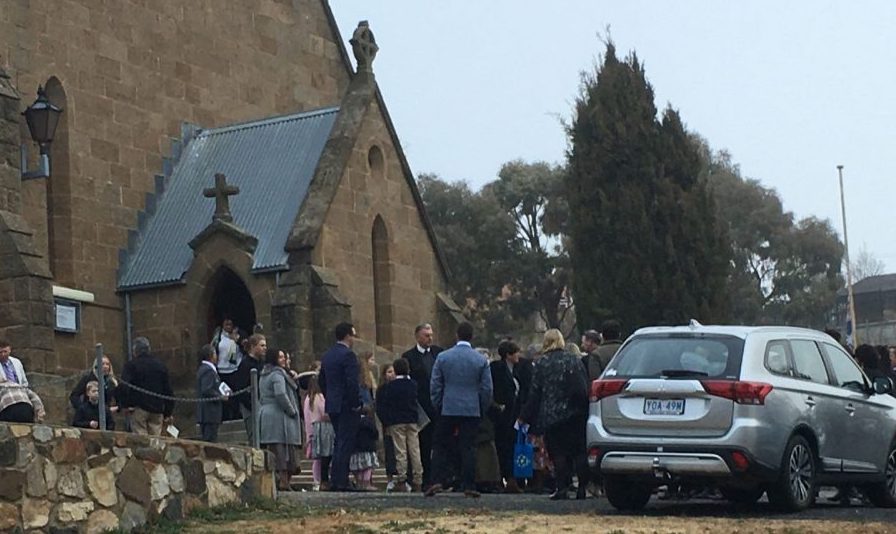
(461, 391)
(338, 380)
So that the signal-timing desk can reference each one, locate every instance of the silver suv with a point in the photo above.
(748, 410)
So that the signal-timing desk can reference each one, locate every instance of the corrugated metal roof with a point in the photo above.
(272, 161)
(881, 282)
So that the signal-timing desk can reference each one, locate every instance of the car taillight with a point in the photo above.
(605, 388)
(739, 391)
(741, 462)
(594, 455)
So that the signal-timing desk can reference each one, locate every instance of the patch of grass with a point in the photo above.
(406, 526)
(259, 509)
(355, 529)
(162, 526)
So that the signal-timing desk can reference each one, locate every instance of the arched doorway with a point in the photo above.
(230, 298)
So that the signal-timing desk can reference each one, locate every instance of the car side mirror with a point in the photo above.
(882, 385)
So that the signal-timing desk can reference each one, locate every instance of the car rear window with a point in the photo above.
(678, 355)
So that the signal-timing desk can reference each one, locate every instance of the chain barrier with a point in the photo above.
(181, 399)
(48, 382)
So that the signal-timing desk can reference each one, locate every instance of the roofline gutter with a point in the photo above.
(156, 285)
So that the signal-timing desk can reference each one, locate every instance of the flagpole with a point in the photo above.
(850, 299)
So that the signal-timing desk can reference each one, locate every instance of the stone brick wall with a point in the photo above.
(345, 244)
(77, 480)
(131, 72)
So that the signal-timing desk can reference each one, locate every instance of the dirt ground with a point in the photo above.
(416, 521)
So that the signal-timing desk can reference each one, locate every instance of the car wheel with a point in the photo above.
(742, 495)
(626, 494)
(795, 488)
(883, 494)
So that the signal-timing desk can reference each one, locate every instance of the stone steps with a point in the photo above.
(305, 480)
(234, 432)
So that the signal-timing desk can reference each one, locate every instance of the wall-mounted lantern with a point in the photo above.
(42, 118)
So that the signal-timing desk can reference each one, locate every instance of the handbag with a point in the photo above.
(323, 439)
(422, 417)
(523, 455)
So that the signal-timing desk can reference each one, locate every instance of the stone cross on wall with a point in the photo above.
(364, 46)
(220, 193)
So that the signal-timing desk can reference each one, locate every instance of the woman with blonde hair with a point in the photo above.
(558, 408)
(78, 395)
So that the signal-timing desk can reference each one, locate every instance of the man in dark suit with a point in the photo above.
(209, 413)
(421, 359)
(507, 400)
(461, 391)
(338, 380)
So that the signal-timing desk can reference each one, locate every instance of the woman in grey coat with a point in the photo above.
(278, 416)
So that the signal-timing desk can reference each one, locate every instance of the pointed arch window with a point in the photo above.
(376, 162)
(59, 192)
(382, 284)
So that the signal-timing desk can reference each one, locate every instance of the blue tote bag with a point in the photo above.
(523, 455)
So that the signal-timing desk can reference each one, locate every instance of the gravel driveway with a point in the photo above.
(540, 504)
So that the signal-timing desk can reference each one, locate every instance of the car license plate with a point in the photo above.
(663, 406)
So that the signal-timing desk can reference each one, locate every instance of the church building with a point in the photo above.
(211, 159)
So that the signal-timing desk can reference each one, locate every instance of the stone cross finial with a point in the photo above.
(220, 193)
(364, 46)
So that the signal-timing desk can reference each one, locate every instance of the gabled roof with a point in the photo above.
(272, 161)
(873, 284)
(393, 134)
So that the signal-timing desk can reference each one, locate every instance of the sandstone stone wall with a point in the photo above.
(131, 71)
(78, 480)
(346, 244)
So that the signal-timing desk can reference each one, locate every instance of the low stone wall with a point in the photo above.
(75, 480)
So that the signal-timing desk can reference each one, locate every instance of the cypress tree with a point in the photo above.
(644, 243)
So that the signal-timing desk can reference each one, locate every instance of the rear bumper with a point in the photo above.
(688, 457)
(674, 464)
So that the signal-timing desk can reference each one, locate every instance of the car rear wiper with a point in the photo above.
(678, 373)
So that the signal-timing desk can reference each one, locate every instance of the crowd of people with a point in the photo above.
(450, 419)
(439, 419)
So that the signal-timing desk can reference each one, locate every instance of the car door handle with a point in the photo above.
(811, 402)
(850, 408)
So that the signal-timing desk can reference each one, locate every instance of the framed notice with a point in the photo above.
(68, 315)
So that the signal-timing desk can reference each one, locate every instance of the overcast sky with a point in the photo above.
(791, 89)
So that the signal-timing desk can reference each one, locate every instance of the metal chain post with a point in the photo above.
(101, 384)
(256, 426)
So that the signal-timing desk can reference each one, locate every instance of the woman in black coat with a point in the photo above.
(558, 407)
